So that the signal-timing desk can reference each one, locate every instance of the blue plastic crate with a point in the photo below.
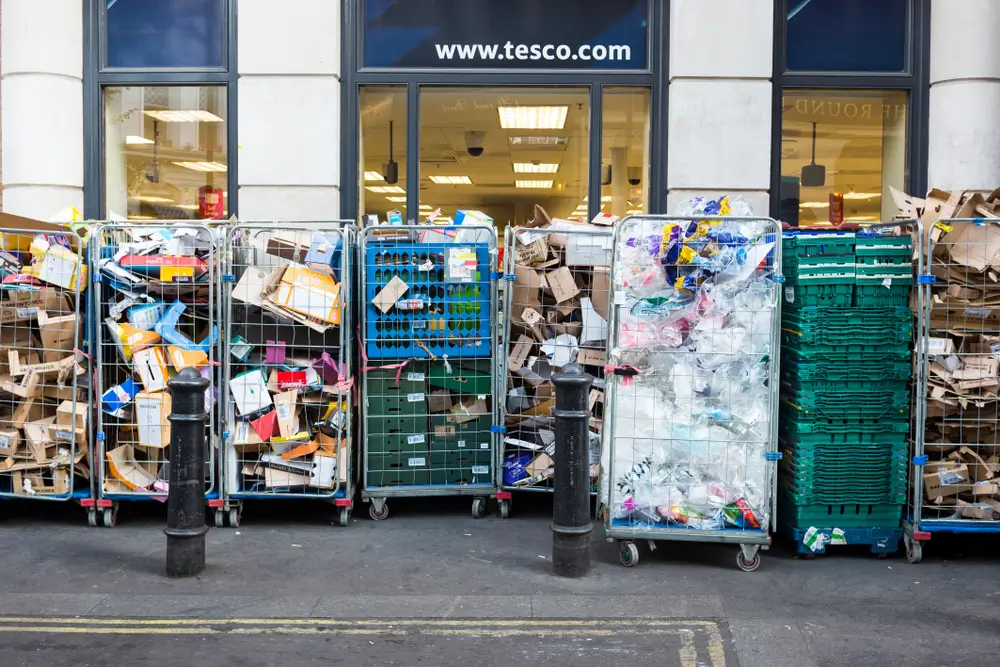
(878, 540)
(456, 316)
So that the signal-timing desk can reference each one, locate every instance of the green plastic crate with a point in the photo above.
(840, 515)
(795, 422)
(878, 296)
(814, 244)
(847, 405)
(873, 245)
(867, 371)
(828, 270)
(841, 325)
(797, 295)
(465, 377)
(838, 435)
(799, 385)
(857, 349)
(881, 485)
(412, 379)
(839, 354)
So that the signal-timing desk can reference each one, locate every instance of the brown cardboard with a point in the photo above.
(596, 396)
(983, 509)
(41, 483)
(977, 368)
(944, 480)
(527, 292)
(440, 401)
(519, 353)
(247, 441)
(70, 420)
(127, 470)
(387, 297)
(544, 392)
(562, 284)
(466, 412)
(151, 415)
(592, 357)
(39, 439)
(539, 464)
(531, 254)
(980, 470)
(58, 335)
(286, 405)
(10, 440)
(600, 291)
(31, 410)
(974, 246)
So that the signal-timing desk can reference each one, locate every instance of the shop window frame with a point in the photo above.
(96, 78)
(354, 76)
(915, 82)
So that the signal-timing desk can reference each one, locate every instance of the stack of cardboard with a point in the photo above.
(44, 387)
(289, 388)
(154, 294)
(962, 477)
(558, 315)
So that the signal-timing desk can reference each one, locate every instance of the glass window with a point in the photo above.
(166, 33)
(165, 152)
(382, 172)
(503, 150)
(624, 152)
(841, 150)
(846, 35)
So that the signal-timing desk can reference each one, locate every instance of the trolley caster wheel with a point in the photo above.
(220, 519)
(344, 517)
(628, 553)
(504, 509)
(747, 564)
(379, 512)
(92, 518)
(235, 516)
(110, 517)
(914, 551)
(478, 508)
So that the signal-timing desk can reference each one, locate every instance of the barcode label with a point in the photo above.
(484, 445)
(461, 444)
(415, 398)
(27, 312)
(417, 462)
(64, 435)
(284, 412)
(415, 377)
(480, 470)
(415, 439)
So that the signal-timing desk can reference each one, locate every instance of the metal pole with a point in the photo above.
(186, 527)
(571, 524)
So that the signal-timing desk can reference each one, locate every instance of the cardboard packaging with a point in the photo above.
(58, 335)
(125, 469)
(307, 292)
(945, 480)
(151, 365)
(152, 412)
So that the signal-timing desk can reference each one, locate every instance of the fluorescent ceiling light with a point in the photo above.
(532, 118)
(398, 200)
(191, 116)
(426, 207)
(538, 141)
(605, 198)
(862, 195)
(386, 189)
(537, 185)
(153, 200)
(202, 166)
(133, 139)
(451, 180)
(373, 176)
(140, 217)
(634, 211)
(813, 204)
(532, 168)
(863, 218)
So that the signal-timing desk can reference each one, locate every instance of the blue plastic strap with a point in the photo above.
(920, 460)
(496, 275)
(97, 277)
(772, 456)
(926, 279)
(510, 277)
(778, 279)
(225, 435)
(498, 429)
(228, 278)
(100, 436)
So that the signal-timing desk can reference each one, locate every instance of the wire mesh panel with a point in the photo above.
(287, 360)
(44, 376)
(957, 464)
(155, 295)
(428, 338)
(556, 305)
(689, 444)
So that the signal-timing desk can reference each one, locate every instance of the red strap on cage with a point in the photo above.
(626, 372)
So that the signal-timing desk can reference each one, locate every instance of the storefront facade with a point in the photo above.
(810, 109)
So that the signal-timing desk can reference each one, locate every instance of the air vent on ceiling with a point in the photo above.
(440, 159)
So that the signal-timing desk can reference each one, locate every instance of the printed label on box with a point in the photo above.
(981, 313)
(416, 462)
(414, 377)
(461, 264)
(480, 470)
(484, 445)
(284, 411)
(461, 444)
(27, 312)
(414, 398)
(415, 439)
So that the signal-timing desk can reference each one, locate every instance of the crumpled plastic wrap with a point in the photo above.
(691, 430)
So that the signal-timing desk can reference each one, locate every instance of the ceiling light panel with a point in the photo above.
(532, 118)
(451, 180)
(373, 176)
(533, 168)
(179, 116)
(202, 166)
(534, 185)
(537, 141)
(397, 200)
(386, 189)
(134, 140)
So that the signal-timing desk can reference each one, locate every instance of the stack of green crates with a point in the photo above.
(845, 371)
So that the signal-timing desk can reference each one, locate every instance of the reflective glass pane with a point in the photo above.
(165, 152)
(846, 35)
(166, 33)
(841, 150)
(625, 152)
(382, 168)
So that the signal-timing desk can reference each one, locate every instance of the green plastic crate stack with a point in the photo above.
(845, 372)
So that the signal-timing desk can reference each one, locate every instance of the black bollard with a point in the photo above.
(186, 527)
(571, 524)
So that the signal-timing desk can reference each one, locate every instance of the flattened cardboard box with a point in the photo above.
(152, 412)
